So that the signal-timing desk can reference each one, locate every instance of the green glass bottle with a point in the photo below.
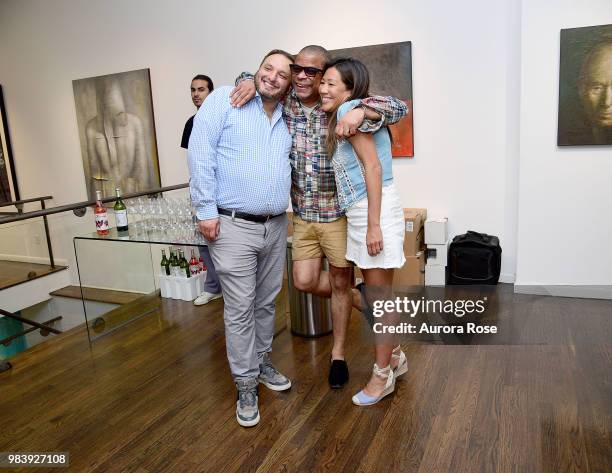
(120, 212)
(184, 265)
(165, 264)
(174, 263)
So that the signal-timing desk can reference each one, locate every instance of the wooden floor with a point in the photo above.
(156, 396)
(17, 272)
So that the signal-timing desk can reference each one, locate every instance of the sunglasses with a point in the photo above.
(309, 71)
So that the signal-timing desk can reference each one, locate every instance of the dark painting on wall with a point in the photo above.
(585, 86)
(9, 191)
(117, 132)
(390, 68)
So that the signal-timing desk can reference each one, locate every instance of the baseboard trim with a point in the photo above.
(585, 291)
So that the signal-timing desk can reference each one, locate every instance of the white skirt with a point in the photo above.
(391, 224)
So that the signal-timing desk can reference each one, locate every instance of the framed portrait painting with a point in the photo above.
(117, 132)
(9, 190)
(585, 86)
(390, 69)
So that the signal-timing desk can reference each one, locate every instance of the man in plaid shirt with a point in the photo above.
(319, 224)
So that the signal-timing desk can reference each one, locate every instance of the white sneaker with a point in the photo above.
(206, 297)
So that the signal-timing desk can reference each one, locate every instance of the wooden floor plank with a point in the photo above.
(156, 395)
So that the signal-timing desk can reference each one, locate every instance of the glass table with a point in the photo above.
(119, 273)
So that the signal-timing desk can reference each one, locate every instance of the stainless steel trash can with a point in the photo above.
(310, 315)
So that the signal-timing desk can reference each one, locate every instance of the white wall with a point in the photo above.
(466, 67)
(565, 200)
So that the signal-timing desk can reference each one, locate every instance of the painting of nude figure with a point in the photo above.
(117, 132)
(390, 68)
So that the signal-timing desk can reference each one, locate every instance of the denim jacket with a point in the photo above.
(348, 169)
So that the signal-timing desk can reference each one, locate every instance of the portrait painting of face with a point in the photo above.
(390, 68)
(117, 132)
(585, 86)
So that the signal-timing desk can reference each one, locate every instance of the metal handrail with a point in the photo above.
(26, 201)
(33, 323)
(19, 204)
(83, 205)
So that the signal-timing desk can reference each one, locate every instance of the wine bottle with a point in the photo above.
(101, 215)
(174, 263)
(165, 264)
(194, 265)
(121, 216)
(184, 265)
(202, 265)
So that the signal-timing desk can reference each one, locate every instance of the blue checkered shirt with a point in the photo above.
(238, 158)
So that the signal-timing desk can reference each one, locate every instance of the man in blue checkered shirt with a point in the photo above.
(240, 181)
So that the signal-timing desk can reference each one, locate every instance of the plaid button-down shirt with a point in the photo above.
(313, 185)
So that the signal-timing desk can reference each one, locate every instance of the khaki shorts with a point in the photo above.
(314, 240)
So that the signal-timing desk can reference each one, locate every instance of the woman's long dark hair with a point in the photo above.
(356, 78)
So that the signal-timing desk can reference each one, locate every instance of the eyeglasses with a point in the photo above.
(309, 71)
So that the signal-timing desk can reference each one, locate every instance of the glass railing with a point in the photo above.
(59, 275)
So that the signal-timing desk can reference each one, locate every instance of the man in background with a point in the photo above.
(201, 86)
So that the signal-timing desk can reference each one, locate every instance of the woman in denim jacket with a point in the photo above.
(364, 181)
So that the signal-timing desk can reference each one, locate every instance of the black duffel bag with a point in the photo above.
(474, 258)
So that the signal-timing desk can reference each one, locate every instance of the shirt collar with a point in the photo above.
(278, 110)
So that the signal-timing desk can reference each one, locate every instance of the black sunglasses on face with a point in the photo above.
(309, 71)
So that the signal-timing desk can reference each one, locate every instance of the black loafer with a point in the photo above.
(338, 374)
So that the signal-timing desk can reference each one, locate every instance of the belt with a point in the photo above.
(249, 217)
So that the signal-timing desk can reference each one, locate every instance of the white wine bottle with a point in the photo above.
(121, 216)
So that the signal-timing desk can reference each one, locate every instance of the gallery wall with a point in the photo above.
(565, 198)
(466, 87)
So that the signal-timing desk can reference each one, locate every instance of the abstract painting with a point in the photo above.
(585, 86)
(390, 68)
(117, 132)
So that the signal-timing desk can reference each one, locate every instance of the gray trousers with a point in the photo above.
(249, 258)
(212, 280)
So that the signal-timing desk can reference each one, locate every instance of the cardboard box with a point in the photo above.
(435, 275)
(436, 231)
(412, 273)
(413, 239)
(438, 254)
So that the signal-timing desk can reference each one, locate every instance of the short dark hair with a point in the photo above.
(315, 49)
(278, 51)
(211, 87)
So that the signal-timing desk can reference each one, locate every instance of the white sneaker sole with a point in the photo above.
(275, 387)
(248, 423)
(196, 302)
